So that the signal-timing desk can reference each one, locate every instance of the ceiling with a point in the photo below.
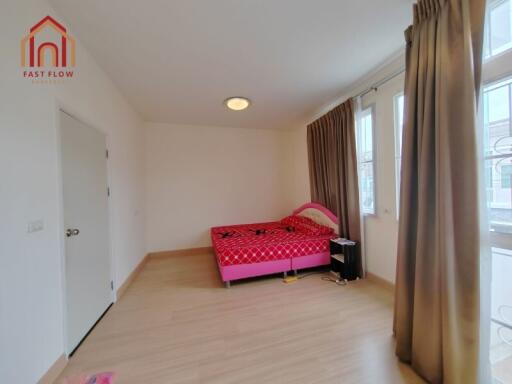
(177, 60)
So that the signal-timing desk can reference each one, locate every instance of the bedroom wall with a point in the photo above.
(299, 188)
(198, 177)
(381, 229)
(31, 302)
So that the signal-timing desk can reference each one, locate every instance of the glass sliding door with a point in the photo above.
(496, 112)
(497, 142)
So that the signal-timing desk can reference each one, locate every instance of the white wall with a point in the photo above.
(300, 191)
(381, 230)
(31, 303)
(199, 177)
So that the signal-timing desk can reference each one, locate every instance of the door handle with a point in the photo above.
(72, 232)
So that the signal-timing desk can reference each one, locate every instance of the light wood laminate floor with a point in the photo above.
(178, 324)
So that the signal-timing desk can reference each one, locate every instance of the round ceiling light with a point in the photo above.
(237, 103)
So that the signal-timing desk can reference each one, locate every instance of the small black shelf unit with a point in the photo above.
(343, 258)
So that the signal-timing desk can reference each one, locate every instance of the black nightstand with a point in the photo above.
(343, 258)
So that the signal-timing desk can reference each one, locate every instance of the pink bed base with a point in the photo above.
(310, 261)
(242, 271)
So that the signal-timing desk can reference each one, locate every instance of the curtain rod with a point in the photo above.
(375, 86)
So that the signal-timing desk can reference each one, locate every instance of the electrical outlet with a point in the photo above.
(35, 226)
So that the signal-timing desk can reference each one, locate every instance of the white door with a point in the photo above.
(86, 230)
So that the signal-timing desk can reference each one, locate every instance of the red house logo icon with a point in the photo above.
(62, 48)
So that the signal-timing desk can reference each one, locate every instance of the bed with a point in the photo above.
(299, 241)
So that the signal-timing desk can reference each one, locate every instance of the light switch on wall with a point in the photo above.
(35, 226)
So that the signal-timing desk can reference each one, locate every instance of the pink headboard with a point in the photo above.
(319, 214)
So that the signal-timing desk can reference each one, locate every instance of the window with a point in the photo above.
(364, 138)
(398, 102)
(498, 154)
(498, 33)
(497, 150)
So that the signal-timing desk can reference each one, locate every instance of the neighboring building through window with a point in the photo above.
(398, 102)
(498, 154)
(497, 145)
(365, 149)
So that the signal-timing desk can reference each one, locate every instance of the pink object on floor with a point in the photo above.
(98, 378)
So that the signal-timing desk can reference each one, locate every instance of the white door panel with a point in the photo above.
(87, 260)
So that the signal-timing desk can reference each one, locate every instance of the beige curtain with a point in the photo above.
(437, 307)
(333, 169)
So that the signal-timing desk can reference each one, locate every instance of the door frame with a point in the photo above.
(61, 106)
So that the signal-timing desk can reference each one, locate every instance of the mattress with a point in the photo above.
(255, 243)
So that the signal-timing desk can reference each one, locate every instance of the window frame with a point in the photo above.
(364, 112)
(488, 32)
(399, 134)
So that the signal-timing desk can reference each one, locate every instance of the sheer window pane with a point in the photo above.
(498, 100)
(501, 312)
(366, 138)
(501, 32)
(367, 187)
(399, 122)
(498, 153)
(399, 125)
(365, 149)
(499, 194)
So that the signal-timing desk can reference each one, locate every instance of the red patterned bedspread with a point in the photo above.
(254, 243)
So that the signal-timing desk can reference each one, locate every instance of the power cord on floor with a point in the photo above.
(337, 281)
(325, 278)
(295, 278)
(310, 274)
